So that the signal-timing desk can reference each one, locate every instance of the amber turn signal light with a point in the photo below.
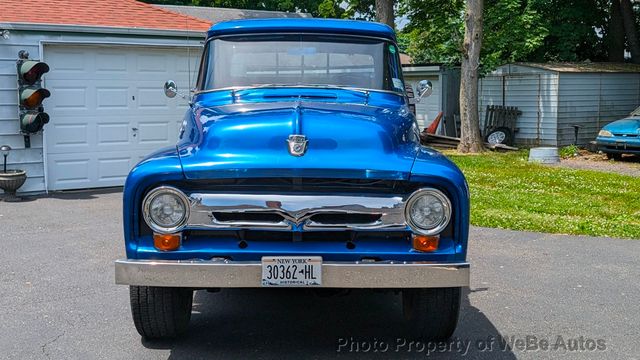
(426, 243)
(167, 242)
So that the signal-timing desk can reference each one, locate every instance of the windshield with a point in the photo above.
(636, 112)
(294, 60)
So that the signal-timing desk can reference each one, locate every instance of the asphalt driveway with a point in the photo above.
(578, 295)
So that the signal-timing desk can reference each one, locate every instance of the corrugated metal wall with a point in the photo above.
(593, 100)
(534, 93)
(551, 102)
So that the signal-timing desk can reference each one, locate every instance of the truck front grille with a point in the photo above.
(325, 218)
(300, 211)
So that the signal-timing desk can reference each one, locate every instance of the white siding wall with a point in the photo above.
(31, 159)
(593, 100)
(535, 94)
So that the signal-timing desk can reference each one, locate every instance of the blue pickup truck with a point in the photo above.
(298, 164)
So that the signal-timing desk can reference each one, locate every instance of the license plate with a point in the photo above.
(288, 271)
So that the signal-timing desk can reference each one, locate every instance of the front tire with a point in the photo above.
(432, 313)
(160, 312)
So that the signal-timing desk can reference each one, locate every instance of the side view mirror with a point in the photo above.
(170, 89)
(424, 89)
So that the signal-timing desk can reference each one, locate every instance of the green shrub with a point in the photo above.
(568, 151)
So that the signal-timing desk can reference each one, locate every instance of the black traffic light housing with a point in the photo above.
(31, 94)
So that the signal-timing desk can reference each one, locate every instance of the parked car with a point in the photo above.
(298, 164)
(621, 136)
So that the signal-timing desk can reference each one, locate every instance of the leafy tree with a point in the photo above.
(404, 41)
(576, 30)
(513, 30)
(360, 9)
(434, 30)
(525, 30)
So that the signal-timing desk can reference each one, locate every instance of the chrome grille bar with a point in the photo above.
(295, 211)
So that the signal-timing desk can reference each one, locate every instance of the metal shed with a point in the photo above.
(553, 97)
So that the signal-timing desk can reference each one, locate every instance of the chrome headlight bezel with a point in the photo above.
(146, 209)
(605, 133)
(446, 204)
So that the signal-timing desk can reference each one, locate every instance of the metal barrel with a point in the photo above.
(544, 155)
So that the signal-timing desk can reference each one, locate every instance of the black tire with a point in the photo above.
(614, 156)
(501, 131)
(432, 314)
(160, 312)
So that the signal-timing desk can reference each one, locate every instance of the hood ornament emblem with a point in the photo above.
(297, 145)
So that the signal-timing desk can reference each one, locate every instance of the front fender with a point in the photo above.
(434, 169)
(157, 168)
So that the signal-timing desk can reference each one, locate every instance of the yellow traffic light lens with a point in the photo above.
(32, 98)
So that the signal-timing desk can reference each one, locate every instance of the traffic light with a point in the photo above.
(31, 93)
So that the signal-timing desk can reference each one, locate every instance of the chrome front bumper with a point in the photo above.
(236, 274)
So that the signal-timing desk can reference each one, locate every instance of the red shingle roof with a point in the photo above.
(108, 13)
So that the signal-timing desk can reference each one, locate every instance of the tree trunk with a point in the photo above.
(384, 12)
(470, 138)
(628, 20)
(615, 36)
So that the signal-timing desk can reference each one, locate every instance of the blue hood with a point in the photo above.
(350, 135)
(629, 125)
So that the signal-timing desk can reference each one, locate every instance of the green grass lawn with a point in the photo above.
(509, 192)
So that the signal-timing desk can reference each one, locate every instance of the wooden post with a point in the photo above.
(384, 12)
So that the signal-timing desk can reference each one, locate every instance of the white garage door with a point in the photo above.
(108, 110)
(428, 108)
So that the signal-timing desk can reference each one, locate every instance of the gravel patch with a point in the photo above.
(629, 165)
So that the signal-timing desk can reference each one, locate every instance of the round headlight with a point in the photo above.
(428, 211)
(165, 209)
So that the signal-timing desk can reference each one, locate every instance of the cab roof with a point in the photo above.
(332, 26)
